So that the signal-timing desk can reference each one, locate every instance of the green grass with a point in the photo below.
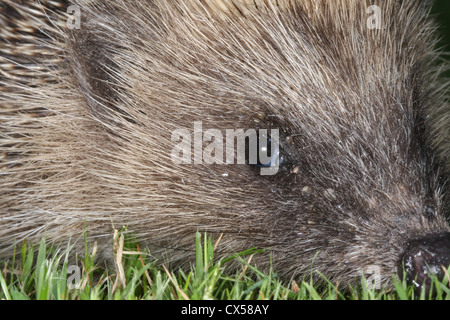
(46, 275)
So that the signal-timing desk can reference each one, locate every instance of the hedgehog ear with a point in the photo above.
(93, 67)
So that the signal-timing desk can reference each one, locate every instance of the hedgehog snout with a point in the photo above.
(424, 257)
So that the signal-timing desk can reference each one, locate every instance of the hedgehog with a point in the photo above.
(98, 99)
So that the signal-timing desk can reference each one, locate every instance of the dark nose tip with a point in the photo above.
(425, 257)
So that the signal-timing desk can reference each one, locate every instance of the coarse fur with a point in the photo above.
(87, 117)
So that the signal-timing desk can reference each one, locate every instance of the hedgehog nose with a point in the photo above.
(424, 257)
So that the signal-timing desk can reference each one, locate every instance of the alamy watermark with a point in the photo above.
(73, 277)
(74, 20)
(374, 21)
(262, 149)
(374, 277)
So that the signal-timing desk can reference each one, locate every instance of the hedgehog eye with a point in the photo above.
(266, 152)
